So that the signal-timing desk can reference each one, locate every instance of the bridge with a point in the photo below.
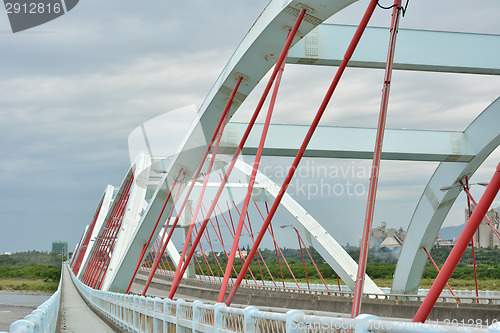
(127, 268)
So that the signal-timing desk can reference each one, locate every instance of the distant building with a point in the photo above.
(60, 247)
(390, 238)
(444, 242)
(485, 236)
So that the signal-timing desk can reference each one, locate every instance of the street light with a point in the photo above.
(447, 188)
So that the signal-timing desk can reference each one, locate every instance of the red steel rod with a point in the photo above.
(372, 191)
(286, 47)
(221, 240)
(202, 192)
(110, 246)
(286, 262)
(110, 227)
(83, 249)
(101, 240)
(316, 266)
(277, 254)
(195, 176)
(459, 248)
(437, 269)
(258, 255)
(251, 183)
(303, 261)
(469, 212)
(231, 234)
(250, 233)
(300, 153)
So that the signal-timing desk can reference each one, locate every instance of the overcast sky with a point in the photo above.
(72, 90)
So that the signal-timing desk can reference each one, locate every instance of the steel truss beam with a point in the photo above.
(418, 50)
(355, 143)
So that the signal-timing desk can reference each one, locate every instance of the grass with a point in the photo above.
(455, 284)
(24, 284)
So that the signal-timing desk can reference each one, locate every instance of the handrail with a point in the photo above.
(136, 313)
(43, 318)
(445, 297)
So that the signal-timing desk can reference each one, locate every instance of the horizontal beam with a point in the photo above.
(354, 143)
(417, 50)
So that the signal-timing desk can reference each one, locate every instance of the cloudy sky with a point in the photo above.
(72, 90)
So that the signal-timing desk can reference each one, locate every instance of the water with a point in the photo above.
(14, 306)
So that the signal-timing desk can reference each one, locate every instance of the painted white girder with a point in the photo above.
(353, 142)
(484, 136)
(107, 199)
(419, 50)
(256, 54)
(78, 246)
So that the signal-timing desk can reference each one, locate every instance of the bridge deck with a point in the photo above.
(75, 315)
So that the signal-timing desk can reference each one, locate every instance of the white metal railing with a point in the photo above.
(42, 319)
(145, 314)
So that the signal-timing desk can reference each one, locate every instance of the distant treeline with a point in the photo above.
(381, 264)
(32, 265)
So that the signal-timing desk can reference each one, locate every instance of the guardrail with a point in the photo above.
(145, 314)
(461, 296)
(42, 319)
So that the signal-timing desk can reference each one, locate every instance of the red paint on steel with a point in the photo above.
(251, 184)
(437, 269)
(86, 241)
(459, 248)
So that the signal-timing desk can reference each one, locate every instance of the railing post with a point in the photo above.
(157, 314)
(361, 322)
(178, 314)
(135, 315)
(218, 315)
(196, 314)
(250, 319)
(291, 322)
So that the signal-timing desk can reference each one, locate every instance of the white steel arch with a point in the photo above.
(484, 137)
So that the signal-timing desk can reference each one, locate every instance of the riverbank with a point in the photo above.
(28, 285)
(16, 304)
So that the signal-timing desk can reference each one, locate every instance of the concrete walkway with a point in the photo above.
(75, 315)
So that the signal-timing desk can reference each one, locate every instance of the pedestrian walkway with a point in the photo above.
(75, 315)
